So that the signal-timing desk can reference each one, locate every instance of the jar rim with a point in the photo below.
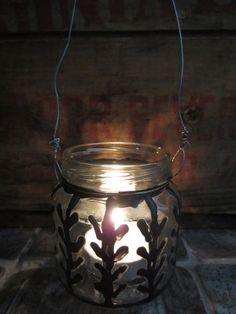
(84, 150)
(116, 166)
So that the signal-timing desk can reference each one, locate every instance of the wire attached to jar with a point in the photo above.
(55, 141)
(184, 132)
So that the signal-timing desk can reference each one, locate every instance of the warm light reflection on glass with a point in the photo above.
(133, 239)
(116, 181)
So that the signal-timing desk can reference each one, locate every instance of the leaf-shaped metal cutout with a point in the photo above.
(121, 253)
(143, 227)
(121, 231)
(98, 251)
(108, 235)
(142, 272)
(142, 289)
(72, 220)
(98, 286)
(118, 272)
(96, 227)
(77, 263)
(101, 269)
(120, 288)
(76, 246)
(70, 247)
(80, 241)
(141, 251)
(77, 278)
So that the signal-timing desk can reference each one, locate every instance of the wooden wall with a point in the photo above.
(118, 82)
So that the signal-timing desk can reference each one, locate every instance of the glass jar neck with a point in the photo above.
(113, 167)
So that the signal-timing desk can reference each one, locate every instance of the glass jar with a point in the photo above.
(116, 213)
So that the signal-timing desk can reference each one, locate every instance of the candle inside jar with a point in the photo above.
(116, 181)
(133, 239)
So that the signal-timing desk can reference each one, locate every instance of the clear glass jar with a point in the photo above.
(116, 213)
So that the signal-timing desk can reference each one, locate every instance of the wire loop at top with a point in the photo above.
(55, 141)
(184, 132)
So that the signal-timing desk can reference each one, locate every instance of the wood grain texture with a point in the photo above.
(109, 15)
(119, 65)
(118, 88)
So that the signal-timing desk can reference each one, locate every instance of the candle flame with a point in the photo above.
(133, 239)
(117, 217)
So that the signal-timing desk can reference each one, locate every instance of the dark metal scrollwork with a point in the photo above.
(156, 256)
(159, 257)
(69, 247)
(108, 236)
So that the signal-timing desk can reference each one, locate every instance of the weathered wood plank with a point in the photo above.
(118, 88)
(26, 218)
(109, 15)
(120, 65)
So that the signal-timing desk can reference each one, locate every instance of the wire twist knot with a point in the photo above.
(55, 144)
(185, 139)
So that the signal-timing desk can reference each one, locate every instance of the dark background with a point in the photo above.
(118, 82)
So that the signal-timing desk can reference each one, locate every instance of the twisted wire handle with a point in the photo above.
(184, 130)
(55, 141)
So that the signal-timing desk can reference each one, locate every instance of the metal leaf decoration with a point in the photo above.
(67, 246)
(157, 260)
(121, 253)
(108, 236)
(156, 257)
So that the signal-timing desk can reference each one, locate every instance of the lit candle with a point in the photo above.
(116, 216)
(133, 238)
(116, 180)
